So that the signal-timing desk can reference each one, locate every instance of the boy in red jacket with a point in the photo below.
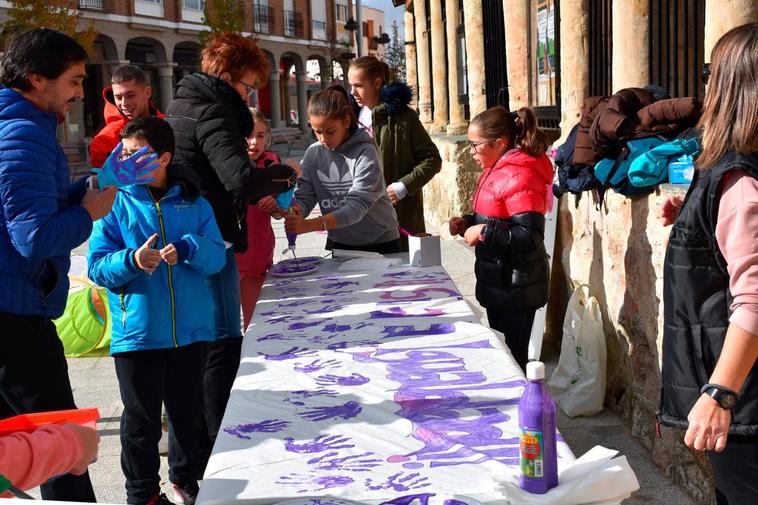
(126, 99)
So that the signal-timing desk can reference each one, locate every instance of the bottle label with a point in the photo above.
(532, 453)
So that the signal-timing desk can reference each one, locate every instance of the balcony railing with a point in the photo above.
(97, 5)
(263, 19)
(293, 24)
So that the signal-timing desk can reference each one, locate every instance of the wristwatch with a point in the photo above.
(725, 397)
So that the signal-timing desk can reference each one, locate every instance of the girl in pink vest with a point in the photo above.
(507, 227)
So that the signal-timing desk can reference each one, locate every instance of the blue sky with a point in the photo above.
(391, 13)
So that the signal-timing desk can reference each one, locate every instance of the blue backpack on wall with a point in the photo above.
(614, 174)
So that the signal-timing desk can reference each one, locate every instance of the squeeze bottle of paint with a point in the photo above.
(537, 447)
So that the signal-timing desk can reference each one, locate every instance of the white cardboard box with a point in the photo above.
(424, 251)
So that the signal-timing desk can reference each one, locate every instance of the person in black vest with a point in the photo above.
(710, 299)
(211, 122)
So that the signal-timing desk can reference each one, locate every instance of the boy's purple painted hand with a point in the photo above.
(133, 170)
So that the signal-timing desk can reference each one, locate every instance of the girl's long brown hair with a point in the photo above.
(520, 128)
(372, 68)
(730, 111)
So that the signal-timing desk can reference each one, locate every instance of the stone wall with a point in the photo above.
(450, 192)
(618, 250)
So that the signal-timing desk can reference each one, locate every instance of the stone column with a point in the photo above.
(457, 124)
(722, 16)
(575, 74)
(477, 91)
(166, 77)
(630, 43)
(411, 72)
(516, 14)
(275, 98)
(302, 99)
(440, 66)
(423, 58)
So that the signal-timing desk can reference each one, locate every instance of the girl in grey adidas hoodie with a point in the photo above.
(343, 175)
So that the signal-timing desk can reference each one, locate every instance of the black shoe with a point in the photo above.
(185, 495)
(160, 499)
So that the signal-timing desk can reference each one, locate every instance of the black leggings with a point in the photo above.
(516, 325)
(735, 470)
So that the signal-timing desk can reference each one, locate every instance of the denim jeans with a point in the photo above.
(225, 292)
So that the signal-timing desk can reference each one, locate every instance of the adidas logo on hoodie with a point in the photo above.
(335, 183)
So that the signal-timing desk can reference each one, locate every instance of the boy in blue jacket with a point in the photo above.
(153, 253)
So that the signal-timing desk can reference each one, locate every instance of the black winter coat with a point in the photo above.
(211, 123)
(512, 267)
(696, 303)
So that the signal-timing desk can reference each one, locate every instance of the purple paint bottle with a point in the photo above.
(536, 419)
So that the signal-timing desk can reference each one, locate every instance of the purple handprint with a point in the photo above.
(336, 328)
(399, 482)
(355, 463)
(302, 326)
(291, 353)
(267, 426)
(423, 499)
(316, 366)
(325, 309)
(276, 336)
(346, 411)
(353, 379)
(314, 483)
(319, 444)
(354, 343)
(340, 285)
(297, 397)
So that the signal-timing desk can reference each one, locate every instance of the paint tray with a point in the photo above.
(30, 422)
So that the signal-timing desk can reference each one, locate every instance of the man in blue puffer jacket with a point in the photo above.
(153, 253)
(42, 218)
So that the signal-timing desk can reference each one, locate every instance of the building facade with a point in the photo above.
(464, 56)
(161, 36)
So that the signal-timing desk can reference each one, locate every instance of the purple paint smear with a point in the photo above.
(354, 463)
(276, 336)
(346, 411)
(338, 380)
(267, 426)
(302, 326)
(418, 294)
(291, 353)
(435, 406)
(411, 331)
(399, 482)
(321, 443)
(316, 365)
(423, 499)
(393, 312)
(314, 483)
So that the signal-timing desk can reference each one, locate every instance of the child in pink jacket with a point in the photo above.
(30, 459)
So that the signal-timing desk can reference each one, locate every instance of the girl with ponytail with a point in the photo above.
(409, 158)
(342, 175)
(508, 223)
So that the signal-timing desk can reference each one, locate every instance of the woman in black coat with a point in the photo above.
(211, 122)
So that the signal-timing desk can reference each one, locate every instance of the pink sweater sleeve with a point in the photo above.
(737, 237)
(30, 459)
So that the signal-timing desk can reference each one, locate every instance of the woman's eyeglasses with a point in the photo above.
(475, 145)
(249, 88)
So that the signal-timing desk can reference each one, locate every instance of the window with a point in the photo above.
(263, 17)
(544, 74)
(543, 44)
(342, 12)
(193, 4)
(601, 47)
(495, 70)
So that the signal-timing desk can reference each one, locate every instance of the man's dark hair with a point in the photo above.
(155, 131)
(126, 73)
(40, 51)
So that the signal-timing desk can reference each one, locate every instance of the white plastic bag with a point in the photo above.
(578, 383)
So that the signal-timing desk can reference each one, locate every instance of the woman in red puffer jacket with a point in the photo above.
(508, 224)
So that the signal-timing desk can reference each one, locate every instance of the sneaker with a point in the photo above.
(185, 495)
(160, 499)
